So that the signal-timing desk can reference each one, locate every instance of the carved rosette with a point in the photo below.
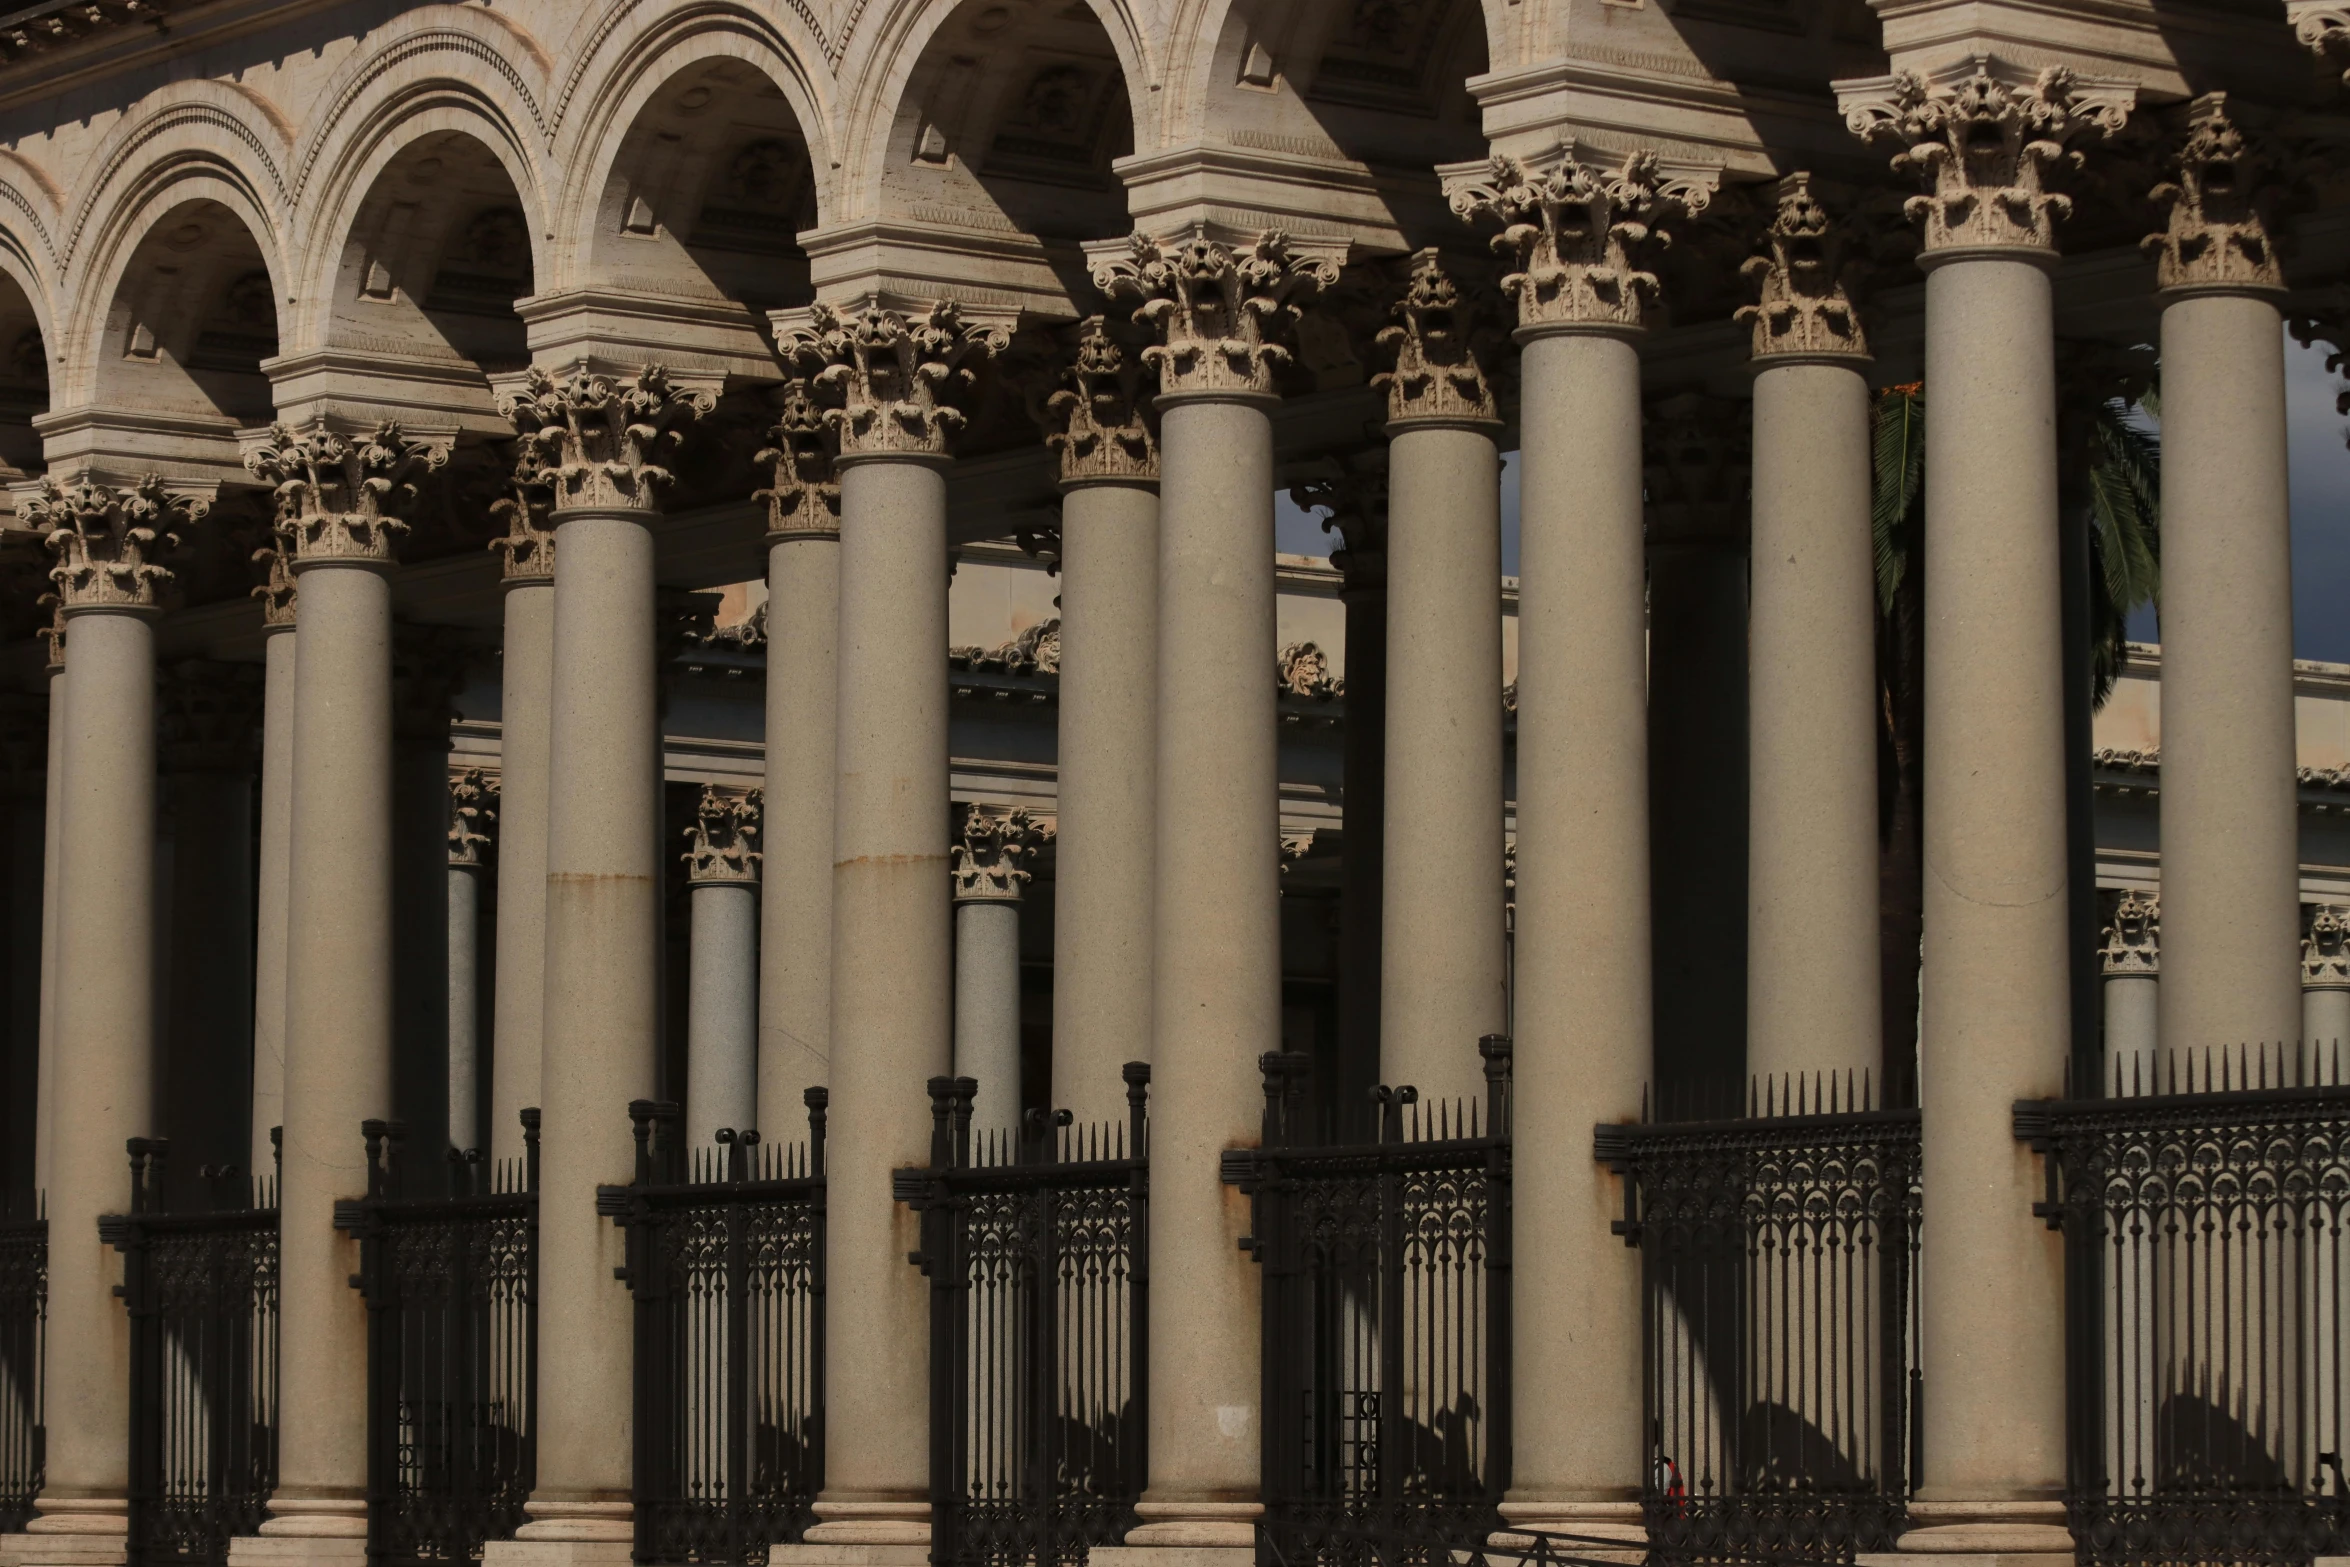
(2217, 204)
(1985, 145)
(339, 498)
(526, 550)
(1803, 308)
(722, 843)
(602, 440)
(1580, 238)
(1438, 373)
(1102, 421)
(894, 381)
(803, 501)
(106, 540)
(991, 850)
(280, 599)
(1221, 316)
(2325, 949)
(2133, 942)
(473, 814)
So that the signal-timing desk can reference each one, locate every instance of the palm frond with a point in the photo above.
(1898, 461)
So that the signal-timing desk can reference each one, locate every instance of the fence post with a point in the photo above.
(1500, 1204)
(1136, 1443)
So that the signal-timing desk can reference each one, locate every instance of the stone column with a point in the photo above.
(517, 1010)
(803, 670)
(109, 589)
(2325, 988)
(336, 497)
(1813, 981)
(991, 850)
(2131, 960)
(602, 440)
(45, 1088)
(1997, 1014)
(892, 377)
(1578, 242)
(722, 1002)
(278, 603)
(2230, 822)
(473, 811)
(1105, 431)
(1216, 968)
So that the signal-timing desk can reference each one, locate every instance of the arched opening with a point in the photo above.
(436, 256)
(24, 381)
(193, 316)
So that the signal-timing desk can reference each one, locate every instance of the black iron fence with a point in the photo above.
(726, 1262)
(1036, 1249)
(1386, 1347)
(2206, 1213)
(450, 1281)
(24, 1301)
(1779, 1257)
(200, 1290)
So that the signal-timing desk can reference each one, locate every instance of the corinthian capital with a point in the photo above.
(1220, 314)
(277, 593)
(1984, 143)
(992, 846)
(1581, 238)
(722, 841)
(803, 502)
(2133, 942)
(1803, 309)
(1102, 421)
(106, 540)
(602, 440)
(895, 380)
(1439, 342)
(2217, 202)
(2325, 950)
(526, 549)
(339, 497)
(473, 810)
(2323, 26)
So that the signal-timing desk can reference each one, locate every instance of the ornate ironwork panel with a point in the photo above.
(726, 1262)
(2208, 1312)
(1035, 1248)
(1779, 1256)
(1386, 1312)
(24, 1301)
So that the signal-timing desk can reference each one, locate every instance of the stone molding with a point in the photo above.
(1103, 423)
(991, 848)
(599, 438)
(2325, 948)
(208, 716)
(1439, 348)
(1580, 238)
(473, 815)
(893, 381)
(1222, 315)
(803, 497)
(106, 540)
(722, 840)
(280, 598)
(1036, 651)
(338, 497)
(526, 550)
(1804, 307)
(1984, 140)
(2217, 203)
(2133, 942)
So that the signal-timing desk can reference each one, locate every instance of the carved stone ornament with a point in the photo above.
(1221, 316)
(803, 501)
(1303, 670)
(992, 846)
(2218, 203)
(1984, 144)
(2325, 950)
(526, 550)
(2133, 942)
(473, 812)
(105, 540)
(1581, 239)
(1803, 308)
(894, 380)
(722, 843)
(1102, 421)
(279, 597)
(602, 440)
(2324, 30)
(1036, 651)
(54, 632)
(339, 497)
(1438, 374)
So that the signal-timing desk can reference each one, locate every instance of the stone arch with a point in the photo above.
(228, 131)
(25, 360)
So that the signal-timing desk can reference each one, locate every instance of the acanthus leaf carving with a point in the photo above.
(473, 812)
(280, 598)
(340, 497)
(1102, 421)
(526, 550)
(106, 540)
(722, 840)
(991, 850)
(1439, 346)
(1804, 307)
(2217, 204)
(603, 440)
(893, 382)
(2323, 29)
(803, 498)
(2133, 942)
(1582, 239)
(1221, 316)
(1302, 669)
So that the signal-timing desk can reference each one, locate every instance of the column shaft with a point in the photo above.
(53, 838)
(795, 952)
(271, 891)
(518, 1007)
(987, 1012)
(722, 1026)
(465, 1007)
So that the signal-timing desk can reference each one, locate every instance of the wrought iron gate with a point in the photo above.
(201, 1293)
(24, 1301)
(1036, 1250)
(2207, 1221)
(726, 1261)
(1778, 1263)
(1386, 1313)
(452, 1356)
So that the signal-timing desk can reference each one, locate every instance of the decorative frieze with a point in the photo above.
(526, 550)
(1984, 143)
(803, 498)
(1222, 316)
(1582, 239)
(2217, 204)
(894, 380)
(1803, 307)
(1036, 651)
(604, 441)
(2133, 942)
(722, 842)
(106, 540)
(1437, 347)
(473, 815)
(341, 498)
(2325, 949)
(1102, 422)
(992, 847)
(280, 598)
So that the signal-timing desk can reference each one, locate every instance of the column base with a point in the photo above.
(1186, 1534)
(1587, 1521)
(872, 1525)
(1984, 1534)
